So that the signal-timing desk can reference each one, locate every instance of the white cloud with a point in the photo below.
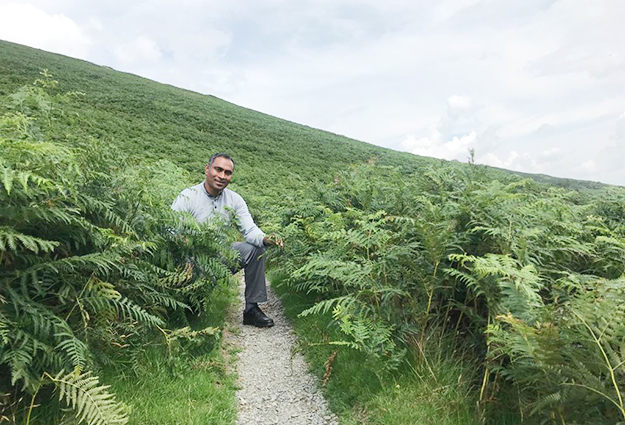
(209, 45)
(620, 128)
(455, 148)
(514, 161)
(457, 105)
(142, 51)
(589, 165)
(495, 161)
(26, 24)
(551, 152)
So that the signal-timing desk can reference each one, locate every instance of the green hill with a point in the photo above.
(423, 291)
(147, 119)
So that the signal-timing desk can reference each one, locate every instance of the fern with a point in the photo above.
(324, 307)
(574, 357)
(9, 239)
(5, 325)
(87, 265)
(74, 348)
(92, 402)
(124, 308)
(24, 178)
(504, 283)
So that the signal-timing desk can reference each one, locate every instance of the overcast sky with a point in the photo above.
(531, 85)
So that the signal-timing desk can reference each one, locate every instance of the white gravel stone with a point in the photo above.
(276, 387)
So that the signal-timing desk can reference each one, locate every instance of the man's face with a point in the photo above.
(218, 175)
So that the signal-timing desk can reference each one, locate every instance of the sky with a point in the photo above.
(530, 85)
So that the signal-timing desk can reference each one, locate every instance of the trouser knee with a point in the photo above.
(249, 253)
(253, 262)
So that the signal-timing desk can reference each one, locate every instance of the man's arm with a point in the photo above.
(251, 233)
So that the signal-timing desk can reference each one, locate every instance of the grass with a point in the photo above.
(190, 385)
(437, 393)
(151, 121)
(189, 388)
(200, 391)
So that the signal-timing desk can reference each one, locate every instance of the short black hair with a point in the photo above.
(219, 155)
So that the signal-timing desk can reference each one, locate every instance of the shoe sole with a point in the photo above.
(268, 325)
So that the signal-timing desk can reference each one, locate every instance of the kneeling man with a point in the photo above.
(210, 198)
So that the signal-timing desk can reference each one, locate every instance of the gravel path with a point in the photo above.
(276, 387)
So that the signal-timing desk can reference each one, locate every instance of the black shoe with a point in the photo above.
(255, 316)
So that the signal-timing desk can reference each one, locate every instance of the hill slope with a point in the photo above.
(161, 121)
(149, 119)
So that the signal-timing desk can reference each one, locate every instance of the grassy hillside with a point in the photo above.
(148, 119)
(424, 291)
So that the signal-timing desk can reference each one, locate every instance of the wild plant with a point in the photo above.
(510, 269)
(90, 265)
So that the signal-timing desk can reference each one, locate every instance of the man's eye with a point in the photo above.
(228, 173)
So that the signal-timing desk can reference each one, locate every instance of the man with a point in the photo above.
(210, 198)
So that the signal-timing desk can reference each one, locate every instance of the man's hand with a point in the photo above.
(273, 239)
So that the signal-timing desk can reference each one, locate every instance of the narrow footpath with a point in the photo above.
(276, 387)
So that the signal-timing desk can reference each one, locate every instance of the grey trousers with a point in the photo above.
(253, 262)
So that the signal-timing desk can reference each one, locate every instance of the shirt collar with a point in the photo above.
(216, 198)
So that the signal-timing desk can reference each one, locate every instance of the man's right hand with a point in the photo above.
(273, 239)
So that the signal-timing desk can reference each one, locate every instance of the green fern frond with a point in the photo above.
(155, 298)
(18, 359)
(9, 239)
(93, 403)
(347, 273)
(10, 177)
(325, 306)
(7, 179)
(74, 348)
(5, 327)
(102, 262)
(466, 278)
(103, 289)
(130, 310)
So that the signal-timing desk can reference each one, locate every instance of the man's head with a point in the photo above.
(218, 173)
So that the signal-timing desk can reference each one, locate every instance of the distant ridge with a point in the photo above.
(573, 184)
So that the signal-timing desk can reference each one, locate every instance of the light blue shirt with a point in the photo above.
(197, 201)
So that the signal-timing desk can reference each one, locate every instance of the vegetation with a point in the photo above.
(92, 265)
(423, 291)
(523, 281)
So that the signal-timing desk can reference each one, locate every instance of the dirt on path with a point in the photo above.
(275, 385)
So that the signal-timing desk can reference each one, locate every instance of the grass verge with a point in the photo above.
(438, 391)
(194, 386)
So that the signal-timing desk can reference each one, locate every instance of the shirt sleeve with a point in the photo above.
(181, 202)
(251, 233)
